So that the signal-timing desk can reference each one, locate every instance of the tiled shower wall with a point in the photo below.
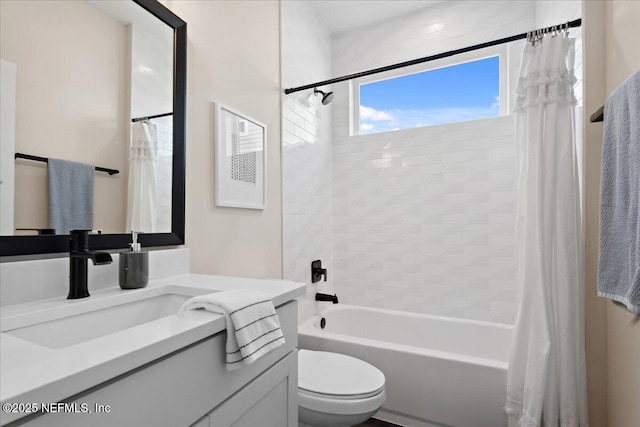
(424, 218)
(306, 152)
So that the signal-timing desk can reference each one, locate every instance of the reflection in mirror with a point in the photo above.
(240, 160)
(74, 75)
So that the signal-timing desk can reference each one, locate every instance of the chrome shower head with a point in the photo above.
(327, 97)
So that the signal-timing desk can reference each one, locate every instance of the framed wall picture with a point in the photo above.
(241, 159)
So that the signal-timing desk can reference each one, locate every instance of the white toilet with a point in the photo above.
(336, 390)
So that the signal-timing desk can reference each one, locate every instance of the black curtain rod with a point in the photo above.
(571, 24)
(46, 160)
(140, 119)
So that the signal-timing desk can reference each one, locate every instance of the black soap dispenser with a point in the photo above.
(134, 266)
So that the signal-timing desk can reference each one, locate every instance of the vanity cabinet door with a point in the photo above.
(271, 400)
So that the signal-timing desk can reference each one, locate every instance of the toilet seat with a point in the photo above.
(330, 405)
(339, 397)
(342, 377)
(337, 383)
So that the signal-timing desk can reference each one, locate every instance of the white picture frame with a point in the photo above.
(240, 159)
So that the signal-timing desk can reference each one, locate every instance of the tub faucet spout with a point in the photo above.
(326, 297)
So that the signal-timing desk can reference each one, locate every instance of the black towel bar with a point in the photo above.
(46, 160)
(598, 116)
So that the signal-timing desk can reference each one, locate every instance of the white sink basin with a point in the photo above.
(94, 323)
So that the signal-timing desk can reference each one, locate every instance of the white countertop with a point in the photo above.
(38, 374)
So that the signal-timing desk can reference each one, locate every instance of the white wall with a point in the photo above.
(306, 152)
(7, 145)
(424, 218)
(233, 57)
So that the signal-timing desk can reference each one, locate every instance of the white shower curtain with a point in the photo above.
(546, 381)
(141, 200)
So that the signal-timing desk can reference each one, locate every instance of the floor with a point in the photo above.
(372, 422)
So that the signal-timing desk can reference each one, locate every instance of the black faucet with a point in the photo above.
(78, 255)
(326, 297)
(317, 271)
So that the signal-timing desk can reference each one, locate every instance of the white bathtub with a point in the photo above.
(439, 371)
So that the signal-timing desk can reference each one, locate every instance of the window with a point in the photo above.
(454, 93)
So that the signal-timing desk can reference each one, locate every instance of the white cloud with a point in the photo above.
(367, 113)
(406, 119)
(496, 103)
(366, 126)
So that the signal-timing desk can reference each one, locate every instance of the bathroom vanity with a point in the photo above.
(126, 357)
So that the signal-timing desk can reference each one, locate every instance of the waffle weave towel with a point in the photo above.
(619, 263)
(253, 326)
(70, 195)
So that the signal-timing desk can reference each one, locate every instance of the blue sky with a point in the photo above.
(461, 92)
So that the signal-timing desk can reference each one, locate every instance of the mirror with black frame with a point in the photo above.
(99, 83)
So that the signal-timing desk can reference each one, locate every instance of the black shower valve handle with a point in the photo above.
(317, 271)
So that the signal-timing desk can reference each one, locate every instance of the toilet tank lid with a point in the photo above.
(337, 374)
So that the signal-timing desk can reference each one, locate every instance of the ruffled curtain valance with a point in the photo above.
(144, 142)
(546, 80)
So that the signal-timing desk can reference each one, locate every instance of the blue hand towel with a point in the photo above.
(70, 195)
(619, 263)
